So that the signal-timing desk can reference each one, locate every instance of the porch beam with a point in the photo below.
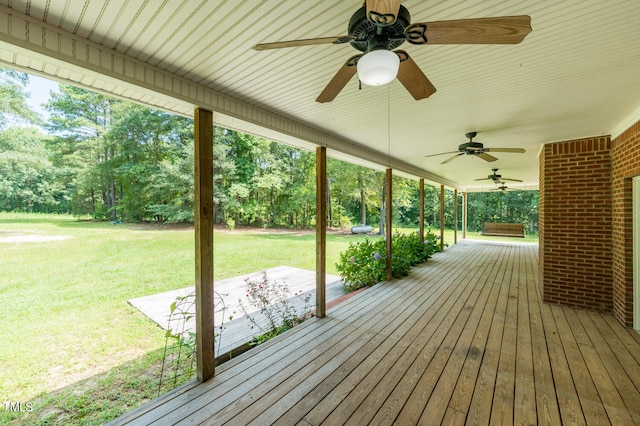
(464, 215)
(321, 231)
(203, 202)
(455, 216)
(442, 217)
(389, 219)
(421, 211)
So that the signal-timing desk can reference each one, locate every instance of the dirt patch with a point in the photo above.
(280, 231)
(32, 238)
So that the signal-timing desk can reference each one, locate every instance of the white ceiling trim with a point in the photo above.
(29, 44)
(632, 119)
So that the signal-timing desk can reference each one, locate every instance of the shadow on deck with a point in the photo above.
(464, 339)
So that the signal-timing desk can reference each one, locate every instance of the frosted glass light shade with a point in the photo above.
(378, 67)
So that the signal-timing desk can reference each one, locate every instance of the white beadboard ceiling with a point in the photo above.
(577, 74)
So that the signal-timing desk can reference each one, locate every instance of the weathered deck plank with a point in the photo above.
(464, 339)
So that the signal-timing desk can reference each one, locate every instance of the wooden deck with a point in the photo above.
(464, 339)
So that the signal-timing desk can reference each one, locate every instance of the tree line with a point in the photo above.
(110, 159)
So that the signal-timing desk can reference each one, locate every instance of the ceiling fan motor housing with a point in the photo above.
(471, 147)
(369, 36)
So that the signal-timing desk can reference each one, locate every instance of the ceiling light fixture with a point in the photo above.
(378, 67)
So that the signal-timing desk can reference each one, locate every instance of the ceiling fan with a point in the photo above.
(496, 178)
(504, 188)
(380, 26)
(477, 149)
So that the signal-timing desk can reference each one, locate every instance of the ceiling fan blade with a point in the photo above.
(486, 157)
(484, 179)
(337, 83)
(303, 42)
(514, 150)
(452, 158)
(512, 180)
(498, 30)
(382, 12)
(412, 77)
(442, 153)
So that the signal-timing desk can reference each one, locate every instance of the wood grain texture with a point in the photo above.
(339, 80)
(455, 216)
(412, 77)
(464, 339)
(498, 30)
(464, 215)
(321, 231)
(298, 43)
(383, 7)
(441, 217)
(388, 191)
(421, 218)
(203, 203)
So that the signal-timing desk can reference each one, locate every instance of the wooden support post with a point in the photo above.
(388, 188)
(203, 203)
(442, 217)
(464, 215)
(321, 230)
(455, 216)
(421, 211)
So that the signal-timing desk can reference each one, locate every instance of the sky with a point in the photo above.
(39, 89)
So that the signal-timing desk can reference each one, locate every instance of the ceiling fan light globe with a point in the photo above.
(378, 67)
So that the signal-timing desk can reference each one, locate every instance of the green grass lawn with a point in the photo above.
(66, 324)
(65, 315)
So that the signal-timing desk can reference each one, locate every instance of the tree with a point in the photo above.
(13, 96)
(152, 150)
(26, 174)
(512, 207)
(406, 201)
(171, 188)
(113, 151)
(84, 118)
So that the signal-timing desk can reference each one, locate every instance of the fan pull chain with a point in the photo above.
(389, 123)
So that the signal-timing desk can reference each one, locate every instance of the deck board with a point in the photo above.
(590, 401)
(464, 339)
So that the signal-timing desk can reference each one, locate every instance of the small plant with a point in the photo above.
(231, 224)
(178, 361)
(277, 308)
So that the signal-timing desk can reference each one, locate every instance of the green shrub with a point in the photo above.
(363, 264)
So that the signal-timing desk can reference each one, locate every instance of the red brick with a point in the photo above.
(585, 222)
(575, 224)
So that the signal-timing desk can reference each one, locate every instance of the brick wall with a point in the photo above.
(625, 165)
(541, 207)
(576, 224)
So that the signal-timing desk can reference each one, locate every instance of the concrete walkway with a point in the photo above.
(239, 330)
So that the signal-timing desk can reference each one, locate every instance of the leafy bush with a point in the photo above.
(363, 264)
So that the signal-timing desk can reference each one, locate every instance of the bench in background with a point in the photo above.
(503, 229)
